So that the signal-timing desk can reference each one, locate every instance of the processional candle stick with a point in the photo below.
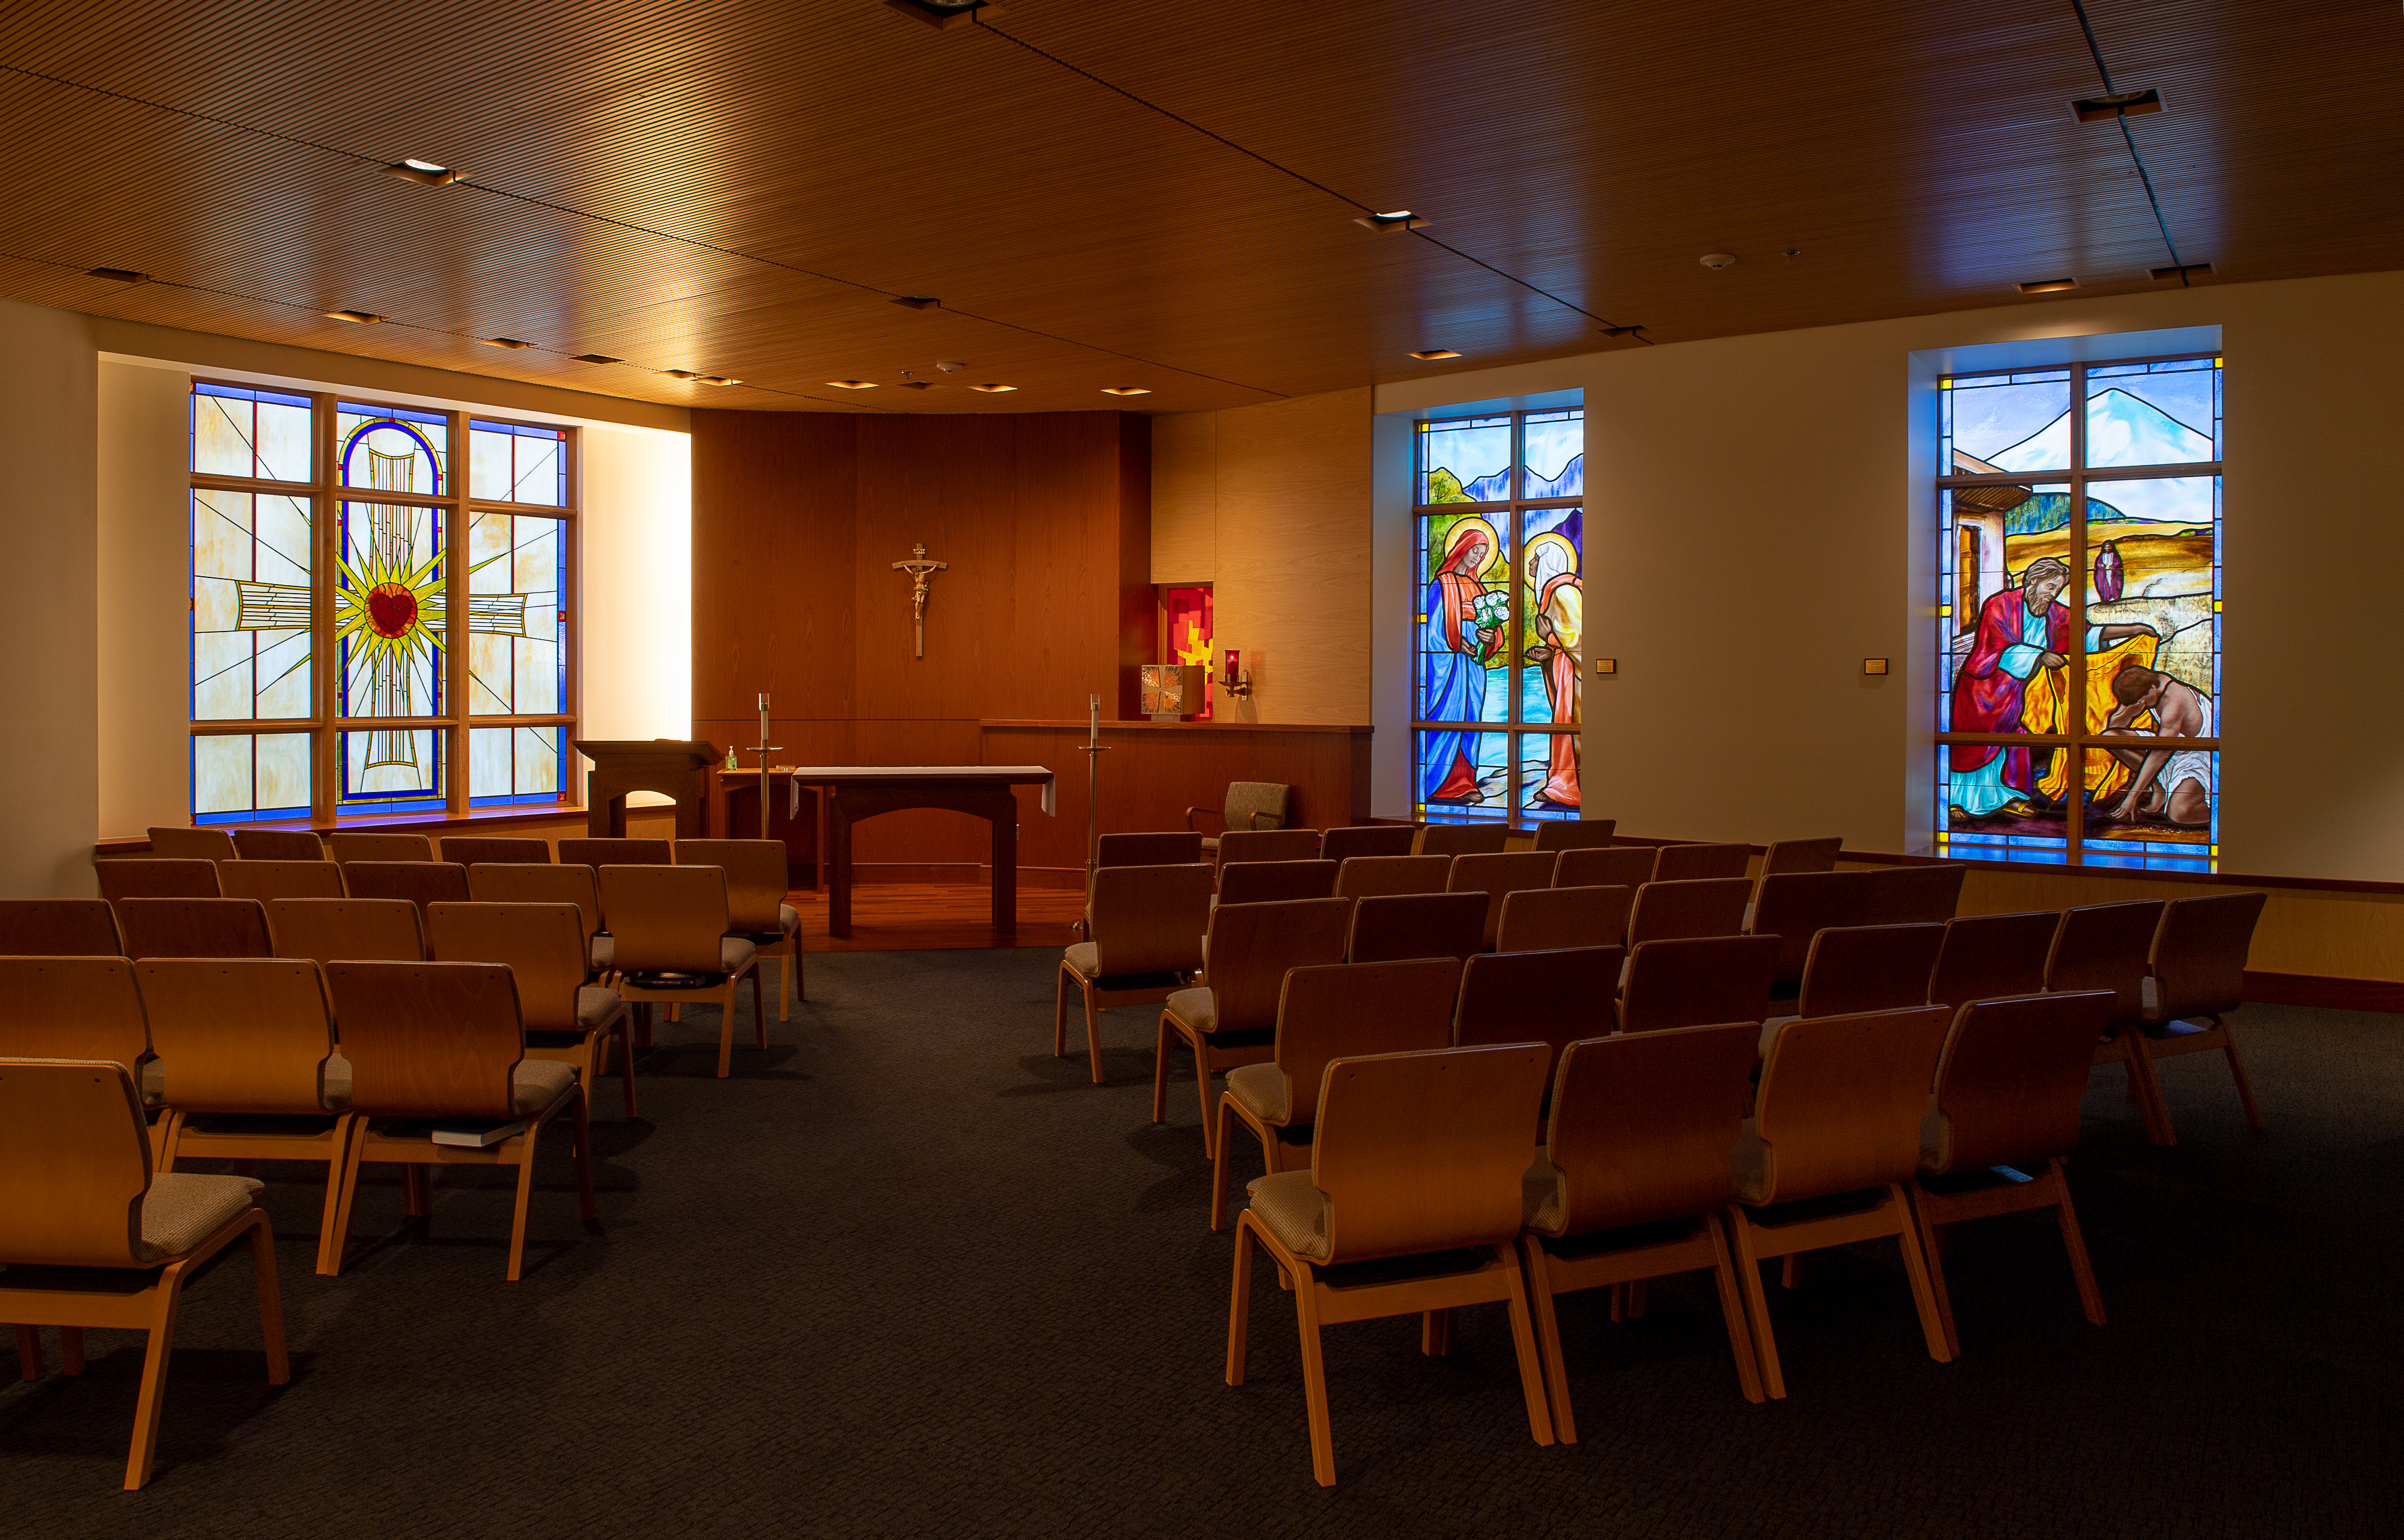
(1093, 750)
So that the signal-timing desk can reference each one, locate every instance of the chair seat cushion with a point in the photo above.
(1085, 958)
(734, 954)
(1209, 841)
(1263, 1090)
(1295, 1211)
(537, 1083)
(594, 1006)
(1749, 1162)
(1544, 1197)
(788, 918)
(182, 1209)
(1194, 1009)
(605, 952)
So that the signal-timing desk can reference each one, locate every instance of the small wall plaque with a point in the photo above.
(1873, 665)
(1606, 665)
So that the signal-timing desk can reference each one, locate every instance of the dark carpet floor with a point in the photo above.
(906, 1274)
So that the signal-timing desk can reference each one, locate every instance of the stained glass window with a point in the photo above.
(1187, 619)
(2078, 616)
(517, 462)
(1500, 617)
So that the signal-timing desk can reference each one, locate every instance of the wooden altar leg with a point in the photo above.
(838, 827)
(1004, 818)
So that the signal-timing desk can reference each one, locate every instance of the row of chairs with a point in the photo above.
(1678, 862)
(344, 846)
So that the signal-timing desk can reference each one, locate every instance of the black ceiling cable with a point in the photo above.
(1284, 170)
(2129, 139)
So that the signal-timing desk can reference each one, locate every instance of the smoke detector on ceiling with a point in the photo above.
(1718, 259)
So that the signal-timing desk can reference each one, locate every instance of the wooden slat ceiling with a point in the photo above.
(741, 188)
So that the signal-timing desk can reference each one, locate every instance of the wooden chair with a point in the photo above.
(1496, 875)
(544, 945)
(1274, 881)
(1148, 924)
(1168, 848)
(442, 1041)
(266, 880)
(1548, 919)
(758, 877)
(327, 930)
(1695, 863)
(1385, 876)
(1555, 998)
(1230, 1018)
(194, 928)
(1250, 805)
(77, 1007)
(1839, 1112)
(422, 883)
(247, 1045)
(2007, 1092)
(1355, 842)
(59, 927)
(2109, 946)
(348, 845)
(279, 845)
(1632, 1178)
(568, 883)
(1856, 968)
(597, 854)
(1798, 906)
(1337, 1011)
(1463, 839)
(1987, 956)
(1914, 895)
(1701, 982)
(181, 843)
(670, 944)
(1417, 1154)
(1404, 925)
(1238, 845)
(1617, 867)
(484, 850)
(77, 1190)
(1559, 834)
(1701, 906)
(2198, 978)
(1785, 855)
(136, 878)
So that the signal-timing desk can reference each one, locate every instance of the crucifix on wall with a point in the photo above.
(919, 569)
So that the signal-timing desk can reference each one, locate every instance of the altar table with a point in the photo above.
(849, 792)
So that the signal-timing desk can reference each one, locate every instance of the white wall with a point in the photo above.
(637, 595)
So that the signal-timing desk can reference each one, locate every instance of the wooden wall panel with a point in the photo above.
(1184, 497)
(774, 515)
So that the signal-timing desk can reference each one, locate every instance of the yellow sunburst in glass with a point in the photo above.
(391, 615)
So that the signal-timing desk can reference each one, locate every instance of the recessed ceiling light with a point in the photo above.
(853, 384)
(503, 343)
(917, 301)
(426, 172)
(361, 317)
(917, 384)
(1621, 331)
(718, 379)
(944, 15)
(1393, 223)
(2049, 286)
(993, 390)
(2120, 104)
(595, 359)
(681, 374)
(122, 275)
(1125, 390)
(1715, 260)
(1433, 354)
(2184, 271)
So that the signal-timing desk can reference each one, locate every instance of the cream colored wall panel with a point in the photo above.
(145, 533)
(1184, 497)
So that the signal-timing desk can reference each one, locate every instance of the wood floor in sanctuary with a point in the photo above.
(936, 916)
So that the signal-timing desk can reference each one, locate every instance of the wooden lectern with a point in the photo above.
(669, 766)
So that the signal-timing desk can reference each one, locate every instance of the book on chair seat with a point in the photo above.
(477, 1134)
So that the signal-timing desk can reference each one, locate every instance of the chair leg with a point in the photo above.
(29, 1352)
(1936, 1261)
(147, 1408)
(1060, 1015)
(627, 1064)
(1523, 1342)
(725, 998)
(1548, 1337)
(1218, 1170)
(1092, 1030)
(1314, 1378)
(1159, 1068)
(1756, 1305)
(332, 1265)
(1435, 1333)
(270, 1302)
(2237, 1073)
(2152, 1106)
(525, 1193)
(1202, 1088)
(1636, 1298)
(759, 1004)
(417, 1191)
(335, 1160)
(1748, 1368)
(170, 1134)
(586, 1209)
(1238, 1304)
(70, 1351)
(2090, 1298)
(1915, 1267)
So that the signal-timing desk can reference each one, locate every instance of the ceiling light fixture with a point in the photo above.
(503, 343)
(1431, 354)
(853, 384)
(944, 15)
(1621, 331)
(1715, 260)
(917, 301)
(120, 275)
(993, 390)
(425, 172)
(718, 379)
(2184, 271)
(595, 359)
(357, 317)
(2120, 104)
(1125, 390)
(2049, 286)
(682, 374)
(917, 384)
(1390, 224)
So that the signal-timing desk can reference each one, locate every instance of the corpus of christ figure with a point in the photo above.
(919, 569)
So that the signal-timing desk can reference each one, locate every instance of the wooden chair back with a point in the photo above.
(2199, 954)
(2012, 1075)
(1270, 881)
(1986, 956)
(1796, 906)
(544, 945)
(1253, 946)
(1700, 981)
(1697, 906)
(1857, 968)
(1496, 875)
(469, 850)
(266, 880)
(59, 927)
(498, 884)
(1151, 920)
(1343, 1011)
(1559, 834)
(1841, 1100)
(2105, 947)
(1267, 845)
(1164, 848)
(1253, 805)
(1642, 1126)
(75, 1161)
(1421, 1152)
(1914, 895)
(179, 843)
(72, 1008)
(1395, 926)
(1698, 861)
(326, 930)
(239, 1035)
(136, 877)
(1550, 919)
(348, 845)
(1785, 855)
(1614, 867)
(194, 928)
(1549, 997)
(1356, 840)
(665, 919)
(597, 854)
(1384, 876)
(758, 877)
(429, 1040)
(422, 883)
(279, 845)
(1464, 839)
